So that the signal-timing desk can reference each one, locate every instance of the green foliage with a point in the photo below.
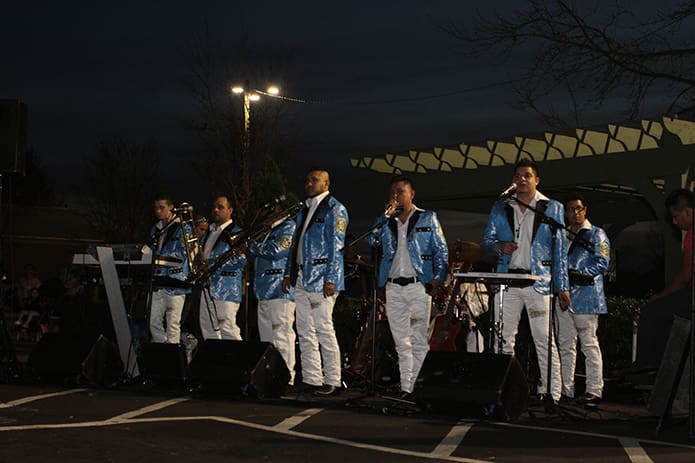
(615, 332)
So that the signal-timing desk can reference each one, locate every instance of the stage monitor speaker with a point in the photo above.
(164, 363)
(58, 357)
(103, 365)
(471, 384)
(240, 367)
(13, 136)
(671, 386)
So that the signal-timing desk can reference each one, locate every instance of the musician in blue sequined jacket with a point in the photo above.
(276, 309)
(589, 256)
(518, 232)
(586, 268)
(220, 299)
(167, 246)
(315, 269)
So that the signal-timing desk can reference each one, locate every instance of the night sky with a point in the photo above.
(88, 71)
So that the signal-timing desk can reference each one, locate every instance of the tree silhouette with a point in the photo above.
(593, 52)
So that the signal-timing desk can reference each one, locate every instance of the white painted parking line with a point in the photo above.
(33, 398)
(452, 440)
(634, 451)
(148, 409)
(295, 420)
(590, 434)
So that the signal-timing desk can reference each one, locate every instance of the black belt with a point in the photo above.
(520, 271)
(402, 281)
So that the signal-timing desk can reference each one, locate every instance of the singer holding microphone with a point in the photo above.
(522, 242)
(415, 261)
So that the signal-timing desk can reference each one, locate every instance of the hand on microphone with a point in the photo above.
(392, 207)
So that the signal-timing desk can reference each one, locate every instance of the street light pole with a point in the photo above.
(249, 96)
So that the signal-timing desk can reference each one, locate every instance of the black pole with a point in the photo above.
(691, 414)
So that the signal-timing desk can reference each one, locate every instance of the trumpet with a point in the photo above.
(255, 232)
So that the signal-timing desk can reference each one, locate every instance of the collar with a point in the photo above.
(160, 225)
(586, 225)
(214, 227)
(315, 200)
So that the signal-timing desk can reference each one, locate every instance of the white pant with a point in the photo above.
(584, 326)
(218, 318)
(275, 319)
(538, 310)
(165, 317)
(315, 328)
(408, 311)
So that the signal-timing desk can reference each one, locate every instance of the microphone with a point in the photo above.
(508, 192)
(391, 211)
(274, 201)
(184, 207)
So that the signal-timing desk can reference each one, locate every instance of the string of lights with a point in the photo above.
(392, 100)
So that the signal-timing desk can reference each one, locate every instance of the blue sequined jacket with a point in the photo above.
(173, 247)
(322, 247)
(226, 282)
(427, 247)
(500, 228)
(271, 256)
(587, 264)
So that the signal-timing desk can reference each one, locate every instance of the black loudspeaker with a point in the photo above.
(471, 384)
(671, 386)
(240, 367)
(103, 365)
(13, 136)
(164, 363)
(58, 357)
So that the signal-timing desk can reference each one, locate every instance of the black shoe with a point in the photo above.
(545, 400)
(326, 390)
(589, 400)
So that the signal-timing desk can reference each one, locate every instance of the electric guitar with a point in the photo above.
(447, 325)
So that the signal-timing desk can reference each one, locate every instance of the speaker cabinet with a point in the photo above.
(240, 367)
(58, 358)
(103, 365)
(13, 136)
(471, 384)
(164, 363)
(672, 384)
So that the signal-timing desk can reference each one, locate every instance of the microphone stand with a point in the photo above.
(375, 304)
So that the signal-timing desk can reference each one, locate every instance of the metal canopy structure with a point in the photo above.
(622, 170)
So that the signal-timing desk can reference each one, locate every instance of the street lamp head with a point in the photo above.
(254, 97)
(237, 89)
(273, 90)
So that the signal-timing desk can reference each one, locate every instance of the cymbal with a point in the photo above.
(465, 251)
